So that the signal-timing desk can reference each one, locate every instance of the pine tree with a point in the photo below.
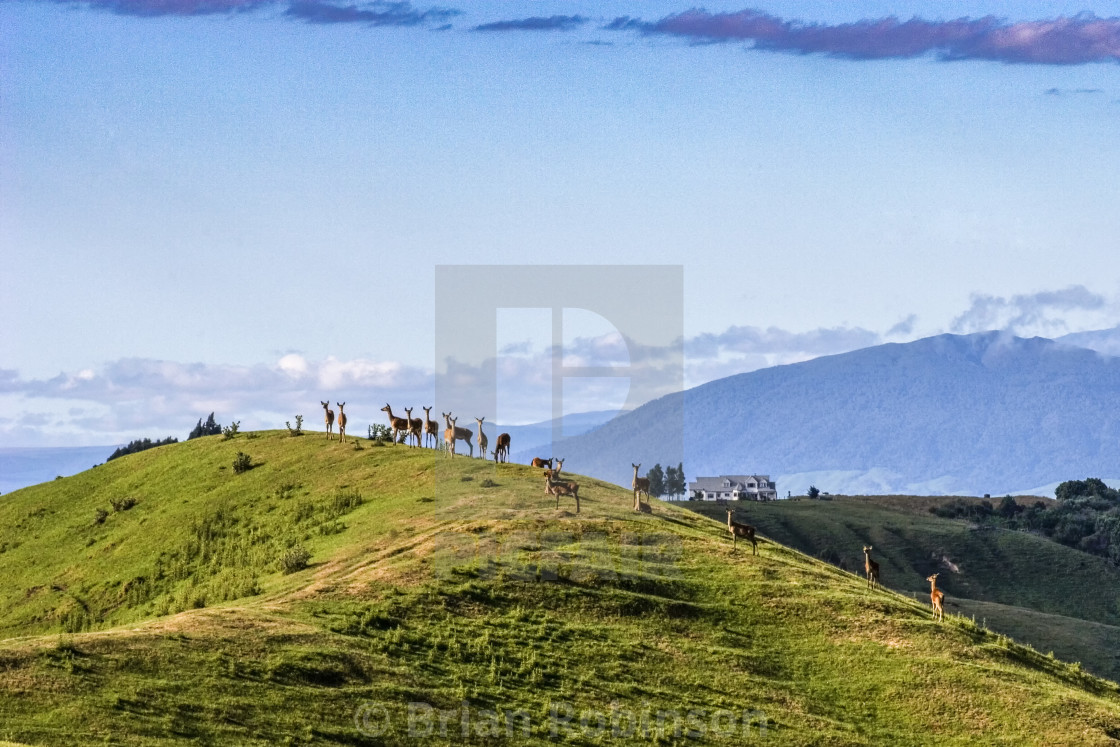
(656, 481)
(675, 482)
(211, 428)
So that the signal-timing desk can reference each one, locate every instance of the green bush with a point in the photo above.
(294, 559)
(230, 430)
(298, 430)
(242, 463)
(122, 504)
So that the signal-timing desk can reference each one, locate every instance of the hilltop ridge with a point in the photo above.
(458, 585)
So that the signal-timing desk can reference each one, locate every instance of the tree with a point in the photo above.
(656, 481)
(210, 428)
(1008, 508)
(1091, 487)
(674, 480)
(814, 492)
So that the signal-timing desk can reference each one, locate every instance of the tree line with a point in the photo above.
(1085, 516)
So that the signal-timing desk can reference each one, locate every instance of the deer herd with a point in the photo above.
(414, 430)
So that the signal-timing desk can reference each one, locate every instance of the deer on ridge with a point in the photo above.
(937, 597)
(738, 530)
(328, 416)
(341, 422)
(871, 568)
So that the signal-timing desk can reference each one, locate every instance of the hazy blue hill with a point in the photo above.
(953, 413)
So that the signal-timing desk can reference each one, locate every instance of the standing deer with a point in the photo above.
(740, 530)
(871, 568)
(561, 487)
(640, 485)
(501, 450)
(448, 436)
(458, 434)
(398, 425)
(481, 438)
(341, 422)
(937, 597)
(415, 426)
(430, 427)
(328, 416)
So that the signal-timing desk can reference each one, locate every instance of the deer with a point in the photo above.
(482, 440)
(429, 427)
(397, 424)
(541, 462)
(415, 426)
(501, 450)
(937, 597)
(457, 433)
(871, 568)
(563, 487)
(448, 436)
(328, 416)
(738, 530)
(640, 485)
(341, 422)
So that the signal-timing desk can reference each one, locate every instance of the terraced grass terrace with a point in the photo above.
(449, 601)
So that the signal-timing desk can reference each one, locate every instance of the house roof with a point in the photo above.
(738, 482)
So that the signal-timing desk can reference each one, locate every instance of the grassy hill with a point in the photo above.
(987, 572)
(456, 586)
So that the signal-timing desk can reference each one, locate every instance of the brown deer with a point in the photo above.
(740, 530)
(341, 422)
(562, 487)
(415, 426)
(448, 436)
(458, 434)
(539, 462)
(328, 416)
(640, 485)
(399, 425)
(937, 597)
(481, 438)
(871, 568)
(501, 450)
(430, 428)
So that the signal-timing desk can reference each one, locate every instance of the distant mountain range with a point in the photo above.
(969, 414)
(965, 414)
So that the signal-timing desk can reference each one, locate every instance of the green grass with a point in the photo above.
(1010, 570)
(425, 587)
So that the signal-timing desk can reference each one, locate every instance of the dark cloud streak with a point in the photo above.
(376, 14)
(536, 23)
(1080, 39)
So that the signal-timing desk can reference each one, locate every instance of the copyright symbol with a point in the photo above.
(371, 719)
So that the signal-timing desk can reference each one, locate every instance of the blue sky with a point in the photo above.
(218, 204)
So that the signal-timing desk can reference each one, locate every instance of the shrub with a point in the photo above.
(380, 433)
(488, 483)
(294, 559)
(122, 504)
(100, 515)
(242, 463)
(814, 492)
(298, 430)
(230, 430)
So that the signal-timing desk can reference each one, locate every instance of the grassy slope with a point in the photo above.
(440, 589)
(1005, 569)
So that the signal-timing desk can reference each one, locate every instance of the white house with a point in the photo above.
(733, 488)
